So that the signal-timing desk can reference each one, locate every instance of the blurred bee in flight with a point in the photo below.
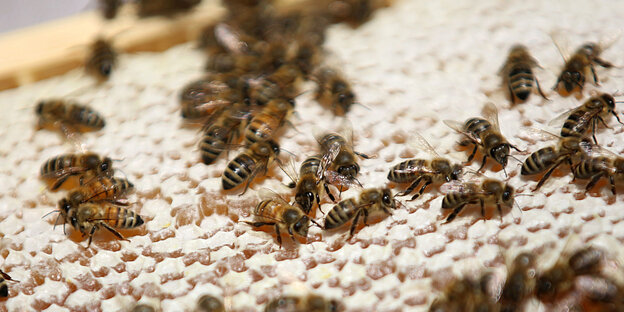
(334, 91)
(68, 116)
(102, 60)
(517, 73)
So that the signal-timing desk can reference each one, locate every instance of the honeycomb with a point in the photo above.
(412, 66)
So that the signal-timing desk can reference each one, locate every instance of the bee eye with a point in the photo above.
(386, 199)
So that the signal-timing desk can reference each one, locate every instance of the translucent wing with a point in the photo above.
(456, 186)
(268, 194)
(607, 41)
(560, 119)
(562, 44)
(328, 159)
(543, 134)
(229, 38)
(490, 112)
(459, 127)
(291, 171)
(420, 143)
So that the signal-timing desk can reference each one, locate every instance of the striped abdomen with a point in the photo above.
(102, 59)
(521, 80)
(341, 213)
(310, 166)
(59, 163)
(477, 126)
(408, 170)
(262, 127)
(218, 136)
(266, 209)
(121, 218)
(588, 167)
(237, 171)
(4, 288)
(455, 199)
(84, 116)
(330, 139)
(101, 189)
(578, 122)
(307, 187)
(540, 160)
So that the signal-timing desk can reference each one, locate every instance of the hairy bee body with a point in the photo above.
(219, 133)
(285, 217)
(587, 116)
(334, 91)
(594, 168)
(308, 303)
(69, 114)
(489, 190)
(89, 217)
(100, 188)
(102, 59)
(308, 187)
(465, 294)
(370, 201)
(572, 77)
(264, 124)
(438, 170)
(550, 157)
(518, 74)
(249, 163)
(340, 155)
(63, 166)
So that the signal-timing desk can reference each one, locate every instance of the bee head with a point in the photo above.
(106, 165)
(545, 286)
(572, 80)
(349, 171)
(508, 195)
(64, 206)
(456, 172)
(301, 227)
(274, 146)
(609, 100)
(387, 199)
(39, 108)
(500, 153)
(306, 200)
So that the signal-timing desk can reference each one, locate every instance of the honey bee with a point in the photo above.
(265, 123)
(273, 210)
(202, 97)
(601, 292)
(520, 282)
(334, 91)
(66, 165)
(307, 303)
(550, 157)
(465, 294)
(517, 73)
(4, 287)
(89, 217)
(109, 8)
(485, 135)
(307, 189)
(220, 132)
(370, 201)
(253, 160)
(98, 189)
(208, 303)
(595, 167)
(560, 279)
(278, 84)
(465, 193)
(414, 171)
(68, 115)
(338, 156)
(580, 119)
(102, 59)
(577, 67)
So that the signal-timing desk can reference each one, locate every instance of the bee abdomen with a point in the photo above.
(572, 127)
(122, 218)
(585, 169)
(340, 214)
(237, 171)
(58, 163)
(477, 126)
(406, 171)
(213, 144)
(329, 139)
(539, 161)
(87, 117)
(261, 128)
(452, 200)
(521, 81)
(310, 165)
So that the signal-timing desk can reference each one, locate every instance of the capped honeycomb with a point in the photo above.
(412, 66)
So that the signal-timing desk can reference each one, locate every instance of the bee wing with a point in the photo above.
(608, 40)
(230, 38)
(562, 44)
(490, 112)
(543, 134)
(560, 119)
(327, 160)
(420, 143)
(266, 194)
(291, 171)
(459, 127)
(454, 186)
(63, 172)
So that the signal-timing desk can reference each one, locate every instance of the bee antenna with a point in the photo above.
(287, 151)
(358, 103)
(316, 223)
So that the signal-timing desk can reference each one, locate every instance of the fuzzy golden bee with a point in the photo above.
(517, 73)
(308, 185)
(578, 66)
(268, 120)
(370, 201)
(334, 91)
(273, 210)
(208, 303)
(4, 287)
(98, 189)
(584, 118)
(461, 194)
(221, 131)
(307, 303)
(249, 163)
(90, 217)
(102, 59)
(550, 157)
(427, 171)
(61, 167)
(69, 116)
(485, 135)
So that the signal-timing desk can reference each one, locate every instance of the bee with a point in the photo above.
(309, 303)
(414, 171)
(208, 303)
(338, 156)
(220, 132)
(550, 157)
(102, 59)
(490, 190)
(601, 291)
(560, 279)
(109, 8)
(465, 294)
(4, 287)
(68, 115)
(517, 73)
(307, 189)
(253, 160)
(278, 84)
(98, 189)
(89, 217)
(273, 210)
(202, 97)
(265, 123)
(485, 135)
(596, 167)
(370, 201)
(572, 77)
(334, 91)
(520, 282)
(580, 119)
(66, 165)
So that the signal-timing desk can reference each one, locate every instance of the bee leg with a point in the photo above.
(110, 229)
(318, 202)
(593, 181)
(365, 217)
(279, 235)
(593, 70)
(594, 131)
(454, 213)
(59, 182)
(511, 95)
(540, 90)
(603, 122)
(603, 63)
(93, 228)
(427, 182)
(547, 175)
(329, 193)
(482, 163)
(482, 203)
(411, 188)
(472, 155)
(612, 181)
(500, 211)
(617, 117)
(362, 155)
(354, 224)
